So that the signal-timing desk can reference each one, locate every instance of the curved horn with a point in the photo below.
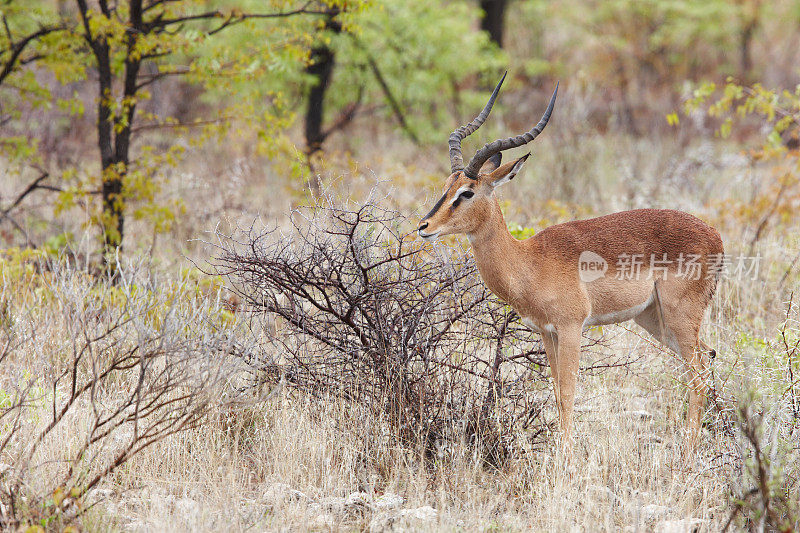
(499, 145)
(456, 161)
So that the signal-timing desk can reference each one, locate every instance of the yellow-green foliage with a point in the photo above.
(521, 232)
(777, 199)
(21, 278)
(245, 48)
(26, 280)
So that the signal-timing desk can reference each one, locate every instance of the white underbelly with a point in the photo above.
(546, 328)
(598, 320)
(616, 317)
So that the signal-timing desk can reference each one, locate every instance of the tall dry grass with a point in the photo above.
(275, 458)
(278, 458)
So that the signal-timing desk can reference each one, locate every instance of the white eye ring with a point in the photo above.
(458, 195)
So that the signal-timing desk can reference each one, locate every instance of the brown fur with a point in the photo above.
(540, 278)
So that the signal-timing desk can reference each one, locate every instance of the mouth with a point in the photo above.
(428, 236)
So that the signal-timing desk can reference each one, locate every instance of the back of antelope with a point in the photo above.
(658, 267)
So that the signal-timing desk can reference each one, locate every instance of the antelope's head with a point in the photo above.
(469, 192)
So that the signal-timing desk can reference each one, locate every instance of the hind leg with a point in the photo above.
(650, 320)
(697, 364)
(678, 326)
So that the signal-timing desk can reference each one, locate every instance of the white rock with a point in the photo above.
(281, 493)
(425, 513)
(382, 522)
(331, 503)
(652, 512)
(98, 495)
(640, 415)
(610, 494)
(69, 509)
(649, 440)
(639, 403)
(358, 500)
(187, 507)
(324, 520)
(389, 501)
(687, 525)
(354, 503)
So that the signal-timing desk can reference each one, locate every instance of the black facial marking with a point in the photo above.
(438, 204)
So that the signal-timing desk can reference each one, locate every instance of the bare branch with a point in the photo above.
(173, 379)
(231, 18)
(356, 309)
(29, 189)
(393, 103)
(16, 48)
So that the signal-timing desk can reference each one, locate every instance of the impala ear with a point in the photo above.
(505, 173)
(492, 163)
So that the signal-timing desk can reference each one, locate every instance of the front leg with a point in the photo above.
(550, 342)
(566, 377)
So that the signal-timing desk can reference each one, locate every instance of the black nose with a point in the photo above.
(422, 226)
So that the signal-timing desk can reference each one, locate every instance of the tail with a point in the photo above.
(715, 264)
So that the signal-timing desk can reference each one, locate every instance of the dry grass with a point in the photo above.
(285, 461)
(628, 471)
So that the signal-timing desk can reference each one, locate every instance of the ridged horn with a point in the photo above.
(482, 155)
(456, 158)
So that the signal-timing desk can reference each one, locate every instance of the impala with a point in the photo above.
(580, 274)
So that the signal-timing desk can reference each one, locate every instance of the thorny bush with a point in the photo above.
(355, 308)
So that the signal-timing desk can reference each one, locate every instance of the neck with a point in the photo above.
(492, 232)
(495, 250)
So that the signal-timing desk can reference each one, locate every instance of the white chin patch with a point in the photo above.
(429, 236)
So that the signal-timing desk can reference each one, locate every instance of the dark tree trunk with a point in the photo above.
(114, 128)
(113, 220)
(113, 200)
(750, 21)
(321, 67)
(745, 58)
(493, 19)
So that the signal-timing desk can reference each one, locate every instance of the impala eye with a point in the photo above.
(467, 194)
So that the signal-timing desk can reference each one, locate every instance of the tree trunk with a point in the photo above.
(745, 41)
(321, 67)
(493, 19)
(114, 130)
(750, 21)
(113, 220)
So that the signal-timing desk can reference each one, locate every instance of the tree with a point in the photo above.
(775, 198)
(401, 59)
(750, 14)
(320, 67)
(493, 21)
(129, 46)
(15, 50)
(646, 50)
